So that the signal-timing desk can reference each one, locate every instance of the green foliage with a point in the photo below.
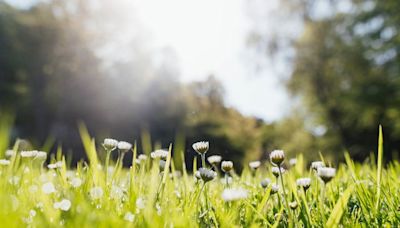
(146, 196)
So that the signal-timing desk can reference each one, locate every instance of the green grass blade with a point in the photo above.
(379, 170)
(339, 208)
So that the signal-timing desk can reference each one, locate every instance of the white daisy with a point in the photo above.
(229, 195)
(161, 154)
(63, 205)
(96, 193)
(48, 188)
(214, 159)
(201, 147)
(277, 157)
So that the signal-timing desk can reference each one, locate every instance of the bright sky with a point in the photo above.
(208, 37)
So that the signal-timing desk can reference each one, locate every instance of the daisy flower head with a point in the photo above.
(28, 153)
(277, 170)
(277, 157)
(207, 174)
(326, 173)
(227, 166)
(4, 162)
(254, 165)
(10, 153)
(96, 193)
(161, 154)
(265, 182)
(110, 144)
(56, 165)
(230, 194)
(317, 164)
(201, 147)
(63, 205)
(304, 183)
(214, 159)
(124, 146)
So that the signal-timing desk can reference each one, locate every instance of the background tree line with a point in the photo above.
(56, 70)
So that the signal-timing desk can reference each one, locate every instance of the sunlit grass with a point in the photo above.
(153, 193)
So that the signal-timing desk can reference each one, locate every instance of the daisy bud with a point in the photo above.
(254, 165)
(201, 147)
(293, 205)
(326, 173)
(304, 183)
(275, 171)
(124, 146)
(265, 183)
(317, 164)
(207, 174)
(214, 159)
(110, 144)
(277, 157)
(226, 166)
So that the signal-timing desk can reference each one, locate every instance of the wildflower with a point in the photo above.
(292, 161)
(110, 144)
(304, 183)
(4, 162)
(124, 146)
(10, 153)
(32, 213)
(254, 165)
(55, 165)
(162, 165)
(142, 157)
(29, 153)
(326, 173)
(274, 188)
(41, 155)
(63, 205)
(226, 166)
(33, 188)
(229, 195)
(214, 159)
(116, 192)
(140, 203)
(207, 174)
(317, 164)
(96, 193)
(14, 180)
(293, 205)
(48, 188)
(276, 172)
(197, 175)
(277, 157)
(129, 216)
(265, 182)
(161, 154)
(201, 147)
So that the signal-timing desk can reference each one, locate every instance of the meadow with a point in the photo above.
(276, 192)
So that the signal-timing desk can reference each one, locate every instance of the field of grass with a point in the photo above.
(152, 193)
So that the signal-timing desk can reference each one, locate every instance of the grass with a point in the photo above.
(360, 194)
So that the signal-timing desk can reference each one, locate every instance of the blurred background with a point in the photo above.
(250, 76)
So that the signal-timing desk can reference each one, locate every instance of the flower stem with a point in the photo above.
(284, 196)
(203, 160)
(107, 163)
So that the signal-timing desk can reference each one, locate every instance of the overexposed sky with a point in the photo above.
(209, 37)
